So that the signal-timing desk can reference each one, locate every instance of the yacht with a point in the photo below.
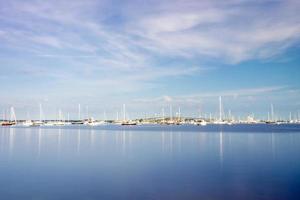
(27, 123)
(128, 123)
(7, 123)
(77, 122)
(202, 123)
(48, 123)
(92, 122)
(58, 123)
(37, 123)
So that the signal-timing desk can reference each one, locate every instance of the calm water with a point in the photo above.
(236, 162)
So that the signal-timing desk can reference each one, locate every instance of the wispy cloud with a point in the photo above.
(235, 31)
(47, 40)
(75, 48)
(197, 98)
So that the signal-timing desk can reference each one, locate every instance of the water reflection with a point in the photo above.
(11, 140)
(221, 148)
(78, 141)
(39, 142)
(2, 141)
(59, 138)
(171, 142)
(273, 145)
(27, 136)
(123, 142)
(102, 139)
(92, 137)
(179, 141)
(126, 142)
(163, 145)
(139, 164)
(130, 138)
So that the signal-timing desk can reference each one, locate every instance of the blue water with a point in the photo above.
(150, 162)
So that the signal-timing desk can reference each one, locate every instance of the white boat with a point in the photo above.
(48, 124)
(96, 123)
(128, 123)
(7, 123)
(27, 123)
(37, 123)
(58, 123)
(202, 123)
(92, 122)
(220, 122)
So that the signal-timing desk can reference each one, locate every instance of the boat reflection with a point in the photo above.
(11, 141)
(42, 142)
(221, 149)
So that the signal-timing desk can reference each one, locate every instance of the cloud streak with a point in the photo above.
(75, 48)
(196, 98)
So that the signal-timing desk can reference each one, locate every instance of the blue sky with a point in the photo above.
(149, 54)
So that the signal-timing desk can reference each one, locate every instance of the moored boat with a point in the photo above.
(128, 123)
(7, 123)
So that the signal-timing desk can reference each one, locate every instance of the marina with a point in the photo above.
(178, 119)
(149, 100)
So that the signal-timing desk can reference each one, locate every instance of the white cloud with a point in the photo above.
(95, 48)
(179, 21)
(196, 98)
(234, 31)
(47, 40)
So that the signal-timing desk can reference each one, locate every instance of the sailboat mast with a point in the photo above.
(59, 115)
(124, 112)
(104, 115)
(87, 112)
(220, 108)
(272, 112)
(78, 111)
(13, 115)
(171, 117)
(40, 106)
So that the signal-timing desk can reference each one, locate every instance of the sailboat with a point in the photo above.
(27, 123)
(126, 122)
(40, 121)
(79, 121)
(92, 122)
(13, 119)
(202, 123)
(170, 121)
(220, 121)
(59, 122)
(271, 119)
(129, 123)
(7, 123)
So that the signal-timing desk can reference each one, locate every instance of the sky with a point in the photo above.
(149, 55)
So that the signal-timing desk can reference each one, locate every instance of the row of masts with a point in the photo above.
(170, 119)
